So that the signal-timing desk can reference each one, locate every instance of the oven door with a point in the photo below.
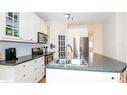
(48, 58)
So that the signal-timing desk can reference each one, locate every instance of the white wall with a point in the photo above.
(115, 37)
(121, 28)
(110, 37)
(21, 48)
(97, 37)
(56, 28)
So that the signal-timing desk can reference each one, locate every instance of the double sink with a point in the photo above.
(71, 62)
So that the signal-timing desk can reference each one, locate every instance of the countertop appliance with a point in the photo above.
(42, 38)
(80, 46)
(10, 54)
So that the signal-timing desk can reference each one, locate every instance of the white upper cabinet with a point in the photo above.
(2, 24)
(44, 28)
(26, 26)
(9, 26)
(30, 25)
(22, 27)
(39, 26)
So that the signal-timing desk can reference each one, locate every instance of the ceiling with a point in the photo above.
(79, 17)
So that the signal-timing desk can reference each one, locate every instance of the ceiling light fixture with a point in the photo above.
(68, 16)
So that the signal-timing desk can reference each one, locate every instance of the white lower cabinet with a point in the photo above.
(39, 73)
(27, 72)
(76, 76)
(23, 77)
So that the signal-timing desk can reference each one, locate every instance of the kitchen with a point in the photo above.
(40, 44)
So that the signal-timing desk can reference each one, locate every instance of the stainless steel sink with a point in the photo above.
(62, 61)
(72, 62)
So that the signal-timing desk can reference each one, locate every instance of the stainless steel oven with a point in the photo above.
(48, 57)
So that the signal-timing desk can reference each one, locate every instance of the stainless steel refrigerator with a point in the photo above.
(80, 47)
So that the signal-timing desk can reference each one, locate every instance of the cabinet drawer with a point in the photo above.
(22, 67)
(39, 74)
(38, 62)
(29, 64)
(31, 71)
(22, 77)
(39, 70)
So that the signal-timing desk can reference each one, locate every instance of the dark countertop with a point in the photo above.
(20, 60)
(47, 53)
(96, 62)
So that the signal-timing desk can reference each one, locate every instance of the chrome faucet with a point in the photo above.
(66, 59)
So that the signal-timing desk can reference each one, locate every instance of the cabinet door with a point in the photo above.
(9, 26)
(39, 26)
(36, 25)
(2, 24)
(44, 28)
(22, 67)
(27, 26)
(30, 25)
(39, 69)
(31, 71)
(39, 74)
(23, 77)
(75, 76)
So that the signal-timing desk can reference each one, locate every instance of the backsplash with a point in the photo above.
(21, 48)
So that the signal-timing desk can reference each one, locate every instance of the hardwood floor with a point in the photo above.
(43, 80)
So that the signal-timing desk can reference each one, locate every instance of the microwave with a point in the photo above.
(42, 38)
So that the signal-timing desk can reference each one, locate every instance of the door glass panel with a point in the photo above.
(9, 31)
(12, 24)
(9, 22)
(16, 33)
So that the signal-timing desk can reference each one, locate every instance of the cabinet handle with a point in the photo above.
(24, 75)
(24, 65)
(35, 78)
(112, 78)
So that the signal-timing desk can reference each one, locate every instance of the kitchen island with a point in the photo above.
(100, 69)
